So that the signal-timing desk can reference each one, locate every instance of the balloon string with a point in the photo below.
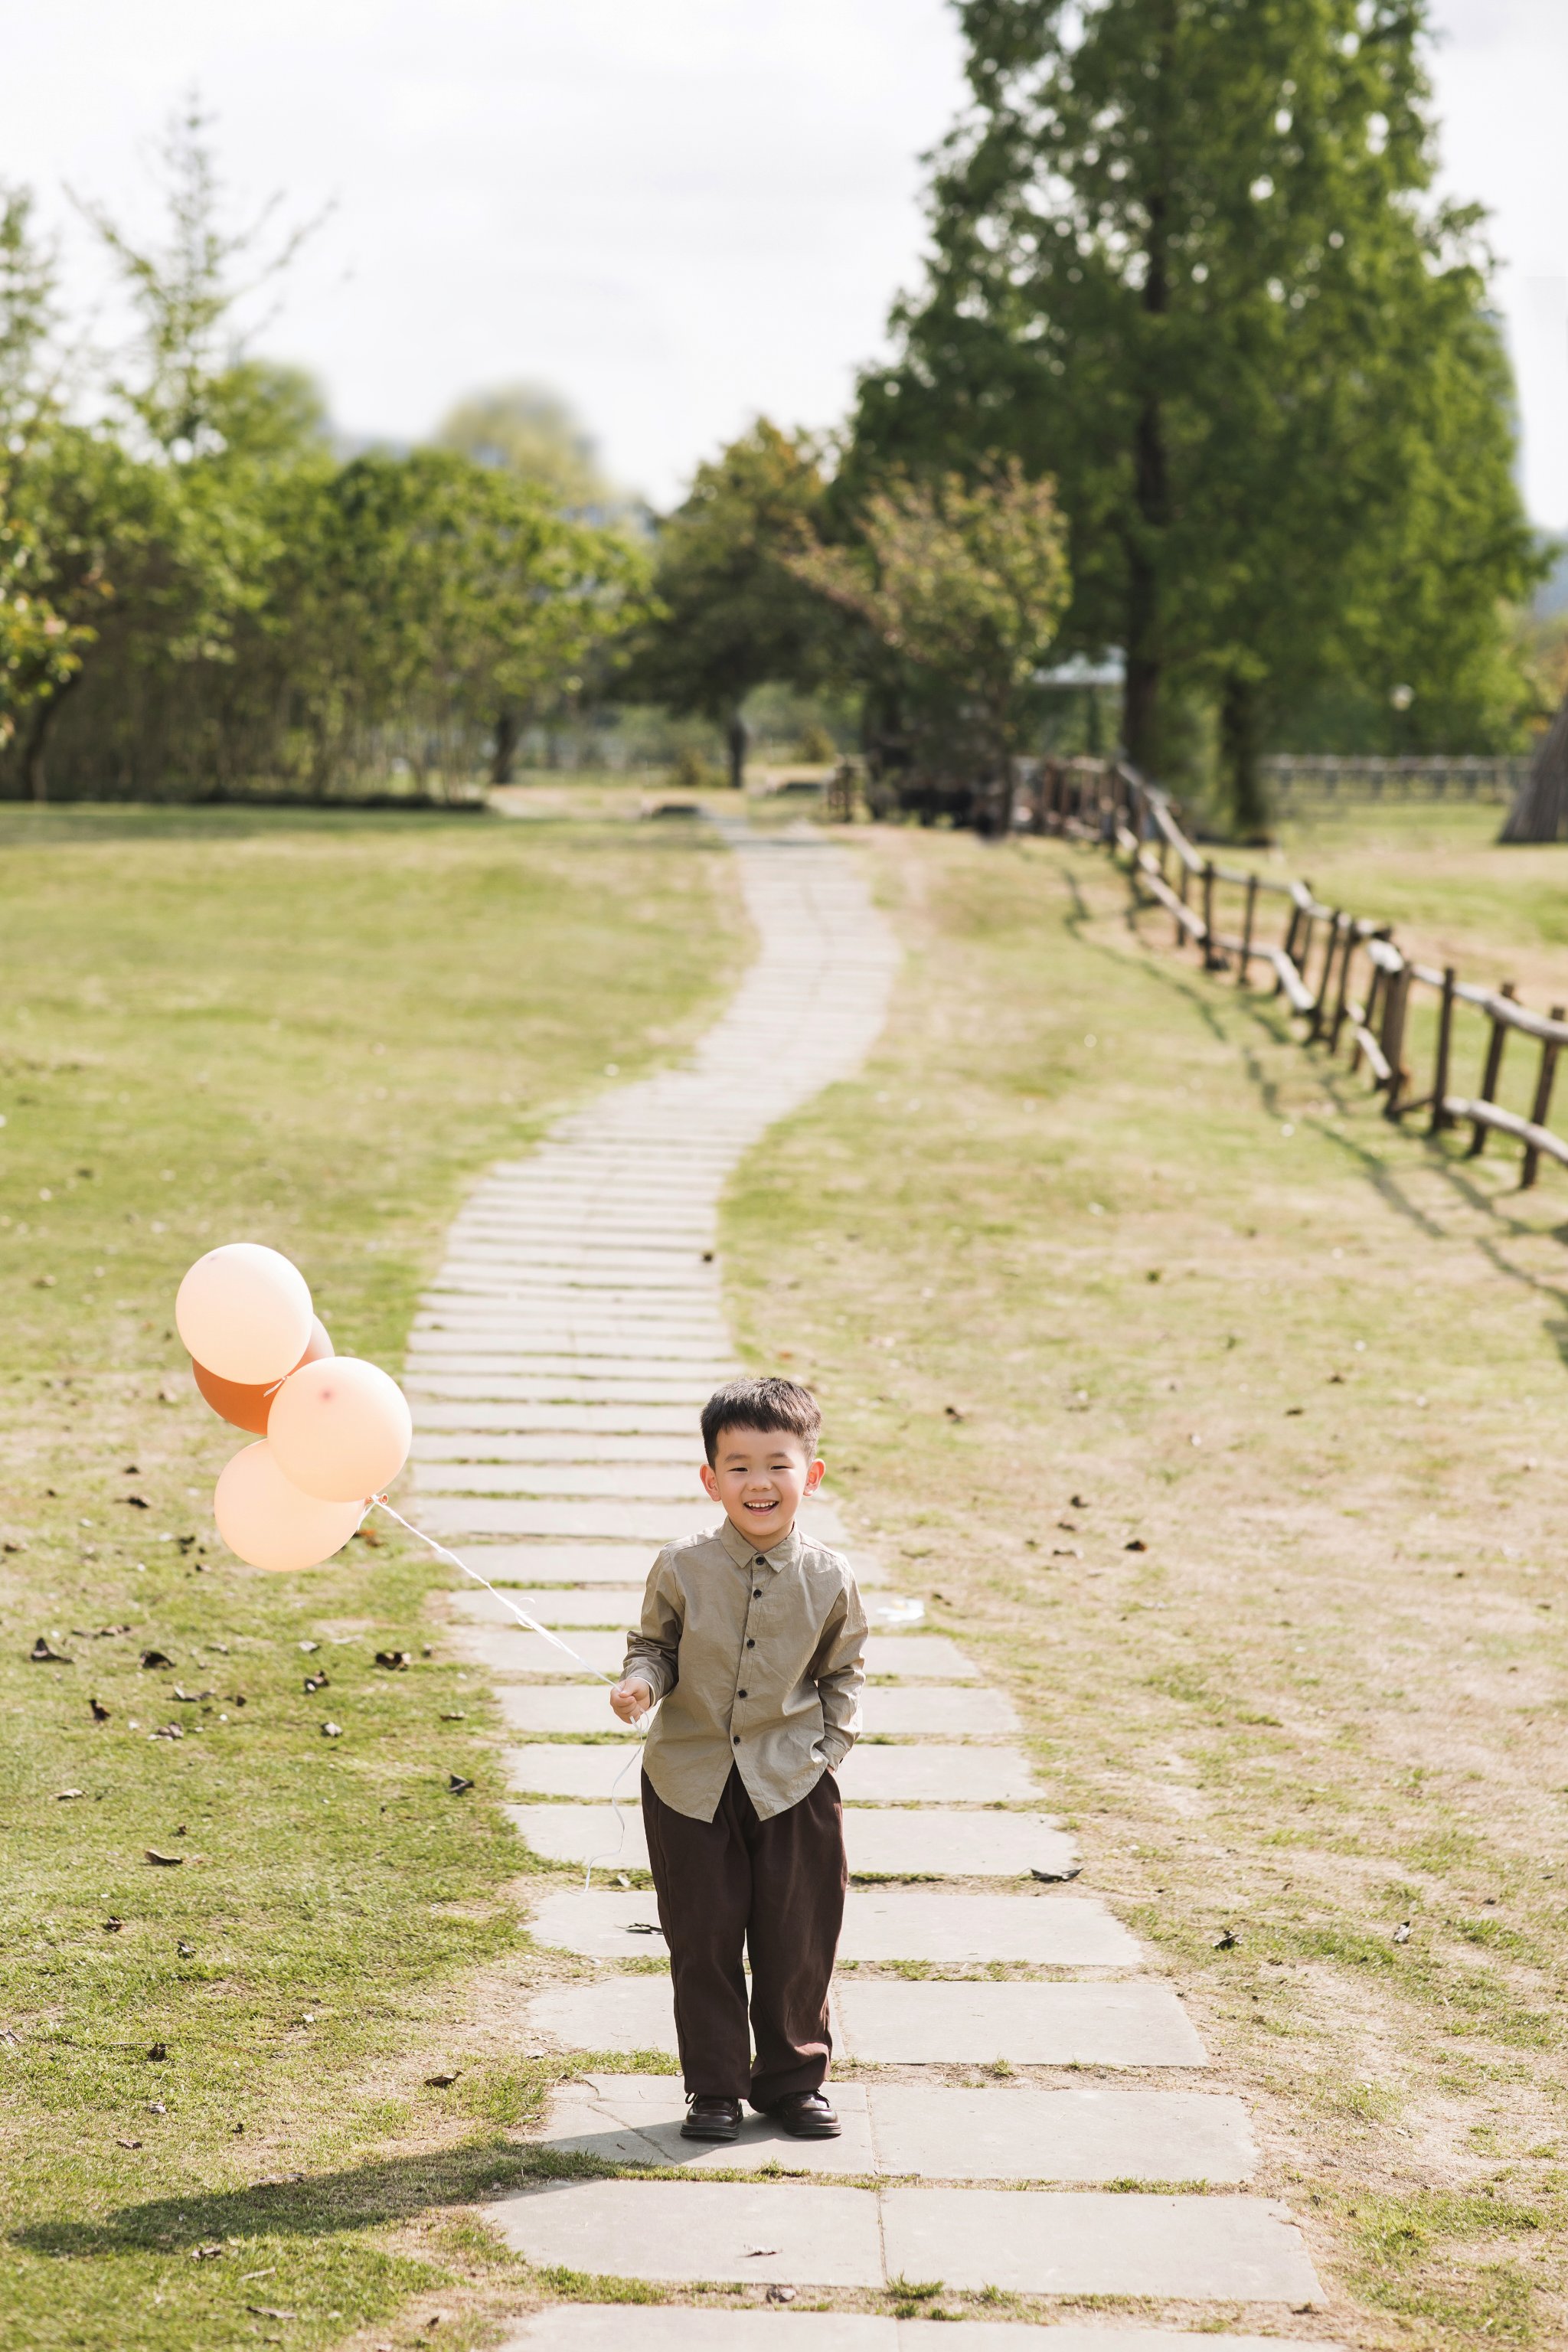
(533, 1626)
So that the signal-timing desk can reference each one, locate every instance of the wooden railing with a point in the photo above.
(1341, 973)
(1291, 776)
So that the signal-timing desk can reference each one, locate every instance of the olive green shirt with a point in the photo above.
(756, 1657)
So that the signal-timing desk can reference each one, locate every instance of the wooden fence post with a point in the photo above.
(1322, 1005)
(1353, 939)
(1290, 931)
(1246, 930)
(1439, 1118)
(1396, 998)
(1370, 1013)
(1181, 933)
(1213, 960)
(1543, 1104)
(1492, 1074)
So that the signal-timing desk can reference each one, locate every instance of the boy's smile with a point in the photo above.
(760, 1476)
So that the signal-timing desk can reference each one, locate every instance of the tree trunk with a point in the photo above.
(1541, 805)
(35, 772)
(505, 759)
(1240, 759)
(736, 738)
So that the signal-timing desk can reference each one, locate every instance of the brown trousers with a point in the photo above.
(775, 1888)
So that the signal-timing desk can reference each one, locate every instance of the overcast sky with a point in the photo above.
(678, 211)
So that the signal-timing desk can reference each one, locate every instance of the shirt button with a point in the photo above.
(737, 1739)
(758, 1593)
(751, 1645)
(741, 1694)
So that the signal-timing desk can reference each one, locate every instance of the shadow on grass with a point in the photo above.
(368, 2196)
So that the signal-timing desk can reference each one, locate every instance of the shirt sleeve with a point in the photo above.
(838, 1671)
(654, 1650)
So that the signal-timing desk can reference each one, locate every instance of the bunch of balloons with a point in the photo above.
(334, 1431)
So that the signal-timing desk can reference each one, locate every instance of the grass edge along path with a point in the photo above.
(217, 2123)
(1219, 1416)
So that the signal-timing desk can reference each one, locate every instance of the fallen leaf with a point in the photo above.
(643, 1928)
(65, 1795)
(156, 2108)
(208, 2255)
(781, 2293)
(12, 2041)
(167, 1860)
(168, 1731)
(331, 1731)
(1336, 1380)
(1224, 1942)
(185, 1950)
(1135, 1543)
(752, 2253)
(113, 1927)
(156, 1658)
(190, 1698)
(130, 2143)
(394, 1660)
(953, 1413)
(43, 1282)
(99, 1711)
(136, 1502)
(458, 1784)
(455, 1716)
(159, 2049)
(308, 1646)
(1294, 1412)
(1081, 1503)
(1058, 1877)
(1067, 1551)
(1070, 1525)
(317, 1682)
(442, 2081)
(267, 2311)
(1402, 1933)
(42, 1655)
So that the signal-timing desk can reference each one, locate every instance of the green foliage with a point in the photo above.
(196, 598)
(529, 431)
(1185, 263)
(732, 612)
(962, 585)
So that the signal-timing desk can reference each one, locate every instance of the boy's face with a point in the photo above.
(760, 1476)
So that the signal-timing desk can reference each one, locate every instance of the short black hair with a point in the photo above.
(762, 1405)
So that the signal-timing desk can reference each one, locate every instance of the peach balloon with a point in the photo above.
(263, 1517)
(244, 1312)
(341, 1429)
(248, 1406)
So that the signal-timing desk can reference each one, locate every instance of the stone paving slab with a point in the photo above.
(485, 1515)
(880, 1923)
(465, 1439)
(886, 2023)
(611, 1605)
(509, 1651)
(437, 1383)
(567, 1425)
(1036, 2241)
(632, 1481)
(676, 2328)
(1087, 2136)
(868, 1775)
(675, 2230)
(637, 2119)
(455, 1352)
(881, 1844)
(530, 1564)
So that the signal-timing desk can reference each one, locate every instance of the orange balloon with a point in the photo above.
(247, 1408)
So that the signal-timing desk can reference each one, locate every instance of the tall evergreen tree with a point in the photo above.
(1185, 261)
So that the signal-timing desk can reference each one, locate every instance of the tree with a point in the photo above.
(529, 431)
(732, 613)
(1185, 262)
(964, 585)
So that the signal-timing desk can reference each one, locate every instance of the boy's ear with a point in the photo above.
(815, 1475)
(710, 1478)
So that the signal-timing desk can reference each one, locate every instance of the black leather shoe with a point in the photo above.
(713, 2119)
(806, 2115)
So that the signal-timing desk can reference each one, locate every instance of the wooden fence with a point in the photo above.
(1291, 779)
(1342, 974)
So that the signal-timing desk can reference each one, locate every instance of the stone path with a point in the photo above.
(557, 1370)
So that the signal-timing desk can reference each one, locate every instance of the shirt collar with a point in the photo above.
(785, 1553)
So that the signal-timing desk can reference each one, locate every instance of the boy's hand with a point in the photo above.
(632, 1699)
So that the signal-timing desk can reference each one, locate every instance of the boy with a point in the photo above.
(752, 1637)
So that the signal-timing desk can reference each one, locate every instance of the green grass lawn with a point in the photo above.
(309, 1030)
(1225, 1420)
